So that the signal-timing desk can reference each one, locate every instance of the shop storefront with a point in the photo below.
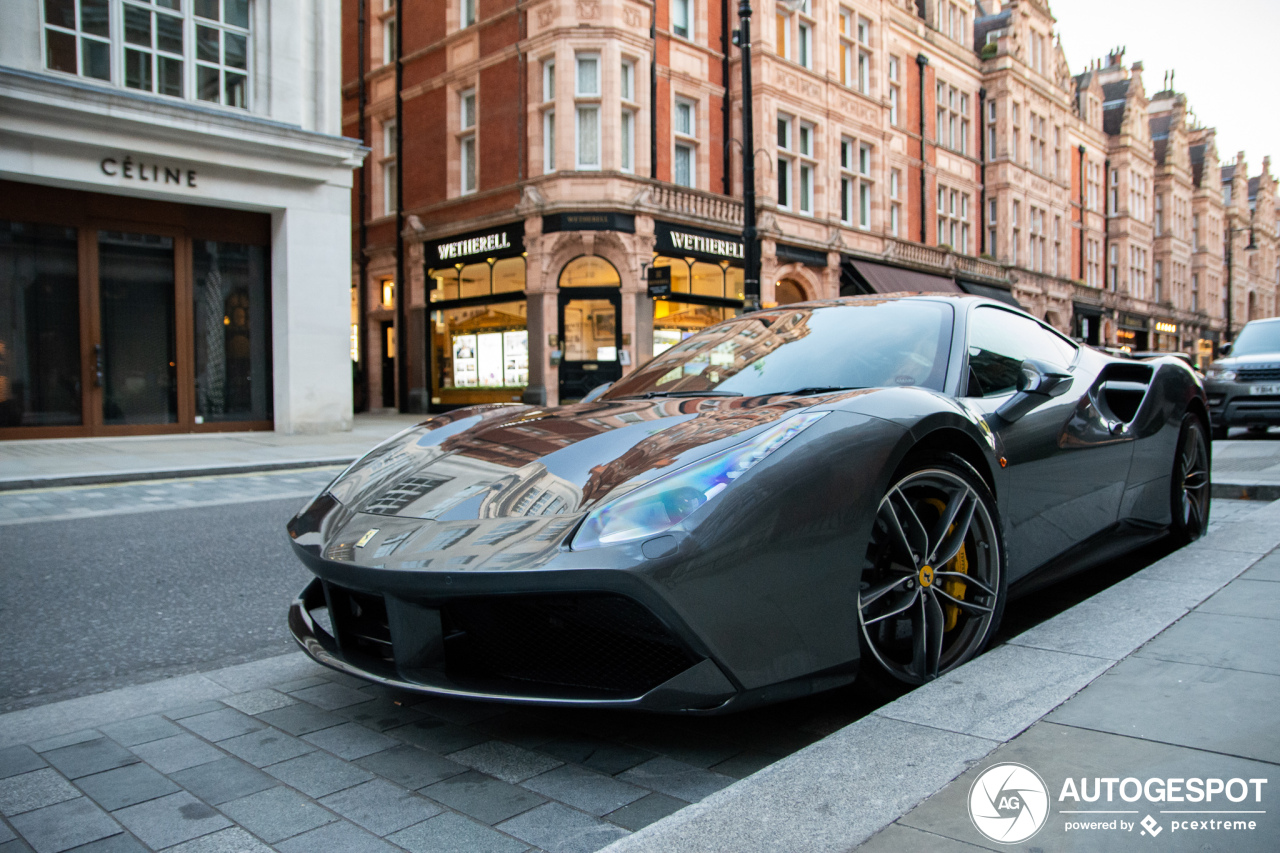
(706, 281)
(171, 262)
(1164, 336)
(479, 340)
(1087, 323)
(1132, 332)
(121, 316)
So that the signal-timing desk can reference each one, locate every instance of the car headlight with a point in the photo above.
(1221, 373)
(671, 498)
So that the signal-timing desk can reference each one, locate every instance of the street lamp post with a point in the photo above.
(750, 236)
(1231, 241)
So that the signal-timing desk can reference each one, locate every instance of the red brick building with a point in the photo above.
(551, 154)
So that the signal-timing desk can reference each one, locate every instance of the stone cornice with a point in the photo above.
(48, 99)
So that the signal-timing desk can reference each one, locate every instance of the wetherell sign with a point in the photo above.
(505, 242)
(706, 245)
(686, 241)
(473, 246)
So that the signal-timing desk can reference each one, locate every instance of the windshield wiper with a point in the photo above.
(648, 395)
(821, 389)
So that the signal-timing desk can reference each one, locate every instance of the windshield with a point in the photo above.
(806, 350)
(1256, 339)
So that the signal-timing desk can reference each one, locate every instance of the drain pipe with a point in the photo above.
(402, 291)
(922, 61)
(1083, 228)
(362, 260)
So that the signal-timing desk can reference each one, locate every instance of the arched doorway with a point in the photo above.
(590, 326)
(787, 292)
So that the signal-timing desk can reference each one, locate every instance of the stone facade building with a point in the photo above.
(174, 218)
(560, 160)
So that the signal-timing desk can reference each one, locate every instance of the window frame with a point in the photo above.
(118, 47)
(389, 167)
(785, 159)
(684, 140)
(688, 22)
(587, 103)
(468, 145)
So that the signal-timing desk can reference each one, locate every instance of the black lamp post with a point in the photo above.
(750, 237)
(1231, 242)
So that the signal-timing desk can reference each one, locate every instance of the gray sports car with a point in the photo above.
(772, 507)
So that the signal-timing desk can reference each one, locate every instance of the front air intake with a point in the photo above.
(573, 645)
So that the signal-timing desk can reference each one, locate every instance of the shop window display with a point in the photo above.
(714, 293)
(479, 344)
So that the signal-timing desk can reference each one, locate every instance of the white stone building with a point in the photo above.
(175, 217)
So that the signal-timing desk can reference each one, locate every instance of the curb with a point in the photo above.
(54, 482)
(1246, 491)
(834, 795)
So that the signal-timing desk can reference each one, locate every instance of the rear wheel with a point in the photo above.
(1189, 500)
(933, 587)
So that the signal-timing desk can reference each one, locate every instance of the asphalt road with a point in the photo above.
(92, 604)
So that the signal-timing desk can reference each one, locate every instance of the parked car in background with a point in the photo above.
(1244, 387)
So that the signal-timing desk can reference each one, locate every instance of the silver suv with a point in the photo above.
(1244, 387)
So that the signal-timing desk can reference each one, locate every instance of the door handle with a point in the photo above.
(99, 368)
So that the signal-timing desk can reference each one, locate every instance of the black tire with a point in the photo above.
(917, 622)
(1190, 489)
(1219, 433)
(1258, 430)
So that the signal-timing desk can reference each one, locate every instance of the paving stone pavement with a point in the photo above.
(294, 757)
(285, 755)
(17, 507)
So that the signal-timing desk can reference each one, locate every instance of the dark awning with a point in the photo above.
(879, 278)
(990, 291)
(1083, 309)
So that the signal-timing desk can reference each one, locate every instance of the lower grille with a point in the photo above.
(588, 644)
(361, 627)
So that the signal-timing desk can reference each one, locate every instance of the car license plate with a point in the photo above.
(1264, 389)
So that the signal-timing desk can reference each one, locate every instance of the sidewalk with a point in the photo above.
(1169, 674)
(86, 461)
(1247, 465)
(282, 754)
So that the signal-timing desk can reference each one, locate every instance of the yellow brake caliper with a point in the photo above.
(960, 565)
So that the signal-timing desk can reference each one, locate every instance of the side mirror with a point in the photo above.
(1037, 384)
(1225, 349)
(596, 393)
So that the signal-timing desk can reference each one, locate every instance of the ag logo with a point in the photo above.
(1008, 803)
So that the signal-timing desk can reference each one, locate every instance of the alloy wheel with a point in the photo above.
(1193, 466)
(930, 591)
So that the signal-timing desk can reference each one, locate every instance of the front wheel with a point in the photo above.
(1189, 501)
(934, 585)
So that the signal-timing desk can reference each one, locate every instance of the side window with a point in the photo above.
(999, 341)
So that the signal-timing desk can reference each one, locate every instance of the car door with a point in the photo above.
(1064, 478)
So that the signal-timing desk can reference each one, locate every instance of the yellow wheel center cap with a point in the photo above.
(926, 576)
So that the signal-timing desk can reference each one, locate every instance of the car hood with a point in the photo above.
(507, 461)
(1261, 361)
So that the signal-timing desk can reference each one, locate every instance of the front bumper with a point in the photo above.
(587, 649)
(1231, 404)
